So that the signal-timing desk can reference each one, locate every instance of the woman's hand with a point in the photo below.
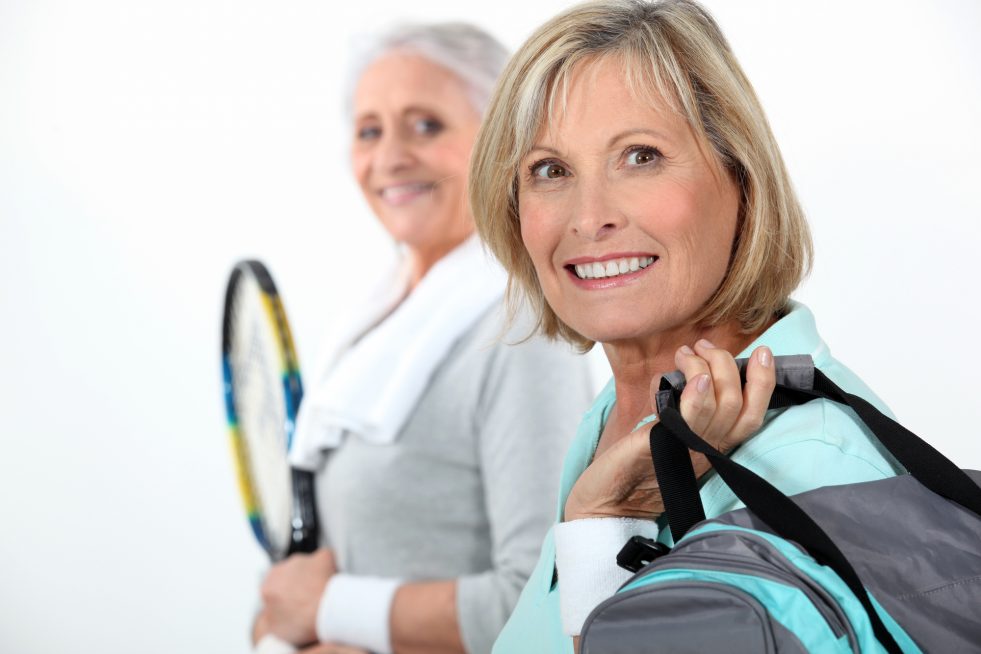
(621, 481)
(291, 594)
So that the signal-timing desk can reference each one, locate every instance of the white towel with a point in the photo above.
(369, 386)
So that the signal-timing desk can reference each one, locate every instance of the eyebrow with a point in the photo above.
(415, 108)
(544, 148)
(639, 130)
(616, 137)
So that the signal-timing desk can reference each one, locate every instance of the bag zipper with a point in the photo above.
(787, 574)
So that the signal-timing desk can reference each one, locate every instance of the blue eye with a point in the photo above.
(427, 126)
(368, 133)
(548, 170)
(641, 156)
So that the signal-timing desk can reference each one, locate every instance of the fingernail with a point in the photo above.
(765, 357)
(702, 383)
(686, 350)
(705, 343)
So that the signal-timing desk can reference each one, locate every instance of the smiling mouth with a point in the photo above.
(610, 267)
(399, 193)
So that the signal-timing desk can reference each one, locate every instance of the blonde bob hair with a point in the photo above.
(673, 54)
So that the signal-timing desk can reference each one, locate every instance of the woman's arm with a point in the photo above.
(424, 619)
(620, 483)
(422, 616)
(531, 399)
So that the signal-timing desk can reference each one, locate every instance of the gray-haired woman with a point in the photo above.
(435, 444)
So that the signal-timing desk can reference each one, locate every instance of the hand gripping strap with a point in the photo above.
(778, 511)
(671, 437)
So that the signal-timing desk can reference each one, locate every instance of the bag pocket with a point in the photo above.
(721, 590)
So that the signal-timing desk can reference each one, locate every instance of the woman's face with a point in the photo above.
(629, 225)
(414, 127)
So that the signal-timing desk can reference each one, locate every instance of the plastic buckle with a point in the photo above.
(639, 552)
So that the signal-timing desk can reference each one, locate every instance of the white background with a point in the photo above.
(145, 146)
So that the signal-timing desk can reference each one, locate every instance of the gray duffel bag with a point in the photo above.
(884, 566)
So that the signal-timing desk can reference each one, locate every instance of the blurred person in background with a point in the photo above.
(434, 436)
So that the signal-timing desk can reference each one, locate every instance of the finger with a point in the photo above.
(728, 391)
(697, 402)
(761, 378)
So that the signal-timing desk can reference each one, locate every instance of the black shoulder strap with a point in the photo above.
(778, 511)
(670, 438)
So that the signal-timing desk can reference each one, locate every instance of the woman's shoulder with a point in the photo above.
(822, 427)
(509, 342)
(494, 370)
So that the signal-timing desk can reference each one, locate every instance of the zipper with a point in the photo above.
(786, 573)
(751, 602)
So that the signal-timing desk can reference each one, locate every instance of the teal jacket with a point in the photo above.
(796, 450)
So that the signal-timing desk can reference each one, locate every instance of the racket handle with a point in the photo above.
(272, 644)
(304, 521)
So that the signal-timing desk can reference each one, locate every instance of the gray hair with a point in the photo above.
(470, 53)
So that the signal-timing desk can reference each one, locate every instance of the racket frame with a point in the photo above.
(303, 519)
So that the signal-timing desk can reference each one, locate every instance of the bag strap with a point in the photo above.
(672, 465)
(778, 511)
(927, 465)
(671, 437)
(799, 382)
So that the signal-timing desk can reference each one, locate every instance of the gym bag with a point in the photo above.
(885, 566)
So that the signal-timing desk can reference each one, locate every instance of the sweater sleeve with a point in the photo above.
(531, 401)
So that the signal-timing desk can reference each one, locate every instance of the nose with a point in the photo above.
(393, 153)
(595, 216)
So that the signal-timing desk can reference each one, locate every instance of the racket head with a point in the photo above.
(263, 391)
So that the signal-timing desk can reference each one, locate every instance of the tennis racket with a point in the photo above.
(262, 395)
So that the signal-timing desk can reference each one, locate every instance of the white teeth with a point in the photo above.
(612, 268)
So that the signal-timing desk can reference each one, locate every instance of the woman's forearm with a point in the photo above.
(424, 619)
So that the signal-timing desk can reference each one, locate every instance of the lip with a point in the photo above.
(604, 283)
(607, 257)
(404, 193)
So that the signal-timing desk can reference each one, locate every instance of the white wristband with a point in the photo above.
(273, 644)
(586, 557)
(354, 610)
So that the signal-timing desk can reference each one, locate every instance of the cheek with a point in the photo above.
(450, 160)
(541, 238)
(708, 237)
(360, 168)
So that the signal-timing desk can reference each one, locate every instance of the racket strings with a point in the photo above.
(258, 372)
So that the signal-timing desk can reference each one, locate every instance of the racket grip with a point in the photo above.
(272, 644)
(304, 521)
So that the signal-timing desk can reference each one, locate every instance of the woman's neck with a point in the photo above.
(420, 260)
(637, 364)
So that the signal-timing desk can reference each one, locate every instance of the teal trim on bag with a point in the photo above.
(832, 583)
(898, 633)
(787, 605)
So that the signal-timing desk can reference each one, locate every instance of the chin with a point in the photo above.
(607, 331)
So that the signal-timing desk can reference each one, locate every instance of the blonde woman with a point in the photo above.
(628, 180)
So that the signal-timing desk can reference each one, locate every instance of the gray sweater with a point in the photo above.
(468, 489)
